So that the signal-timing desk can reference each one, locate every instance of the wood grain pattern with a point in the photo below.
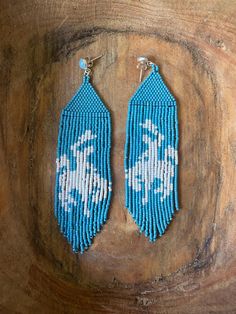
(192, 268)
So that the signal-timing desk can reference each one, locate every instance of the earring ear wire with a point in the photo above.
(143, 65)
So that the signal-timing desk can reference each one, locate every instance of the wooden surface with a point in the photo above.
(192, 268)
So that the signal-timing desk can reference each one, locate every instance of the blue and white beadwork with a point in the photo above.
(151, 156)
(83, 177)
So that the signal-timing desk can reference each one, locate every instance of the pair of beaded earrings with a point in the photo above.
(83, 176)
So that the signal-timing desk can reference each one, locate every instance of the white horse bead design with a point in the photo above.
(148, 167)
(85, 178)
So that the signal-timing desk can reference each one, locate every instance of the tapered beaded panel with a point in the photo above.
(151, 156)
(83, 176)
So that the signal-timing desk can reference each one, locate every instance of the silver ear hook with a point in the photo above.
(87, 63)
(143, 64)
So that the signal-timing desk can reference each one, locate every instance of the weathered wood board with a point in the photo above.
(191, 269)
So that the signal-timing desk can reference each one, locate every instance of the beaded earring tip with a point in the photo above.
(83, 175)
(151, 154)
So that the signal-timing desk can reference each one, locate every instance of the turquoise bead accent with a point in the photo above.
(83, 64)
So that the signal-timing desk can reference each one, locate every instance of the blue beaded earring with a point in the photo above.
(151, 154)
(83, 175)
